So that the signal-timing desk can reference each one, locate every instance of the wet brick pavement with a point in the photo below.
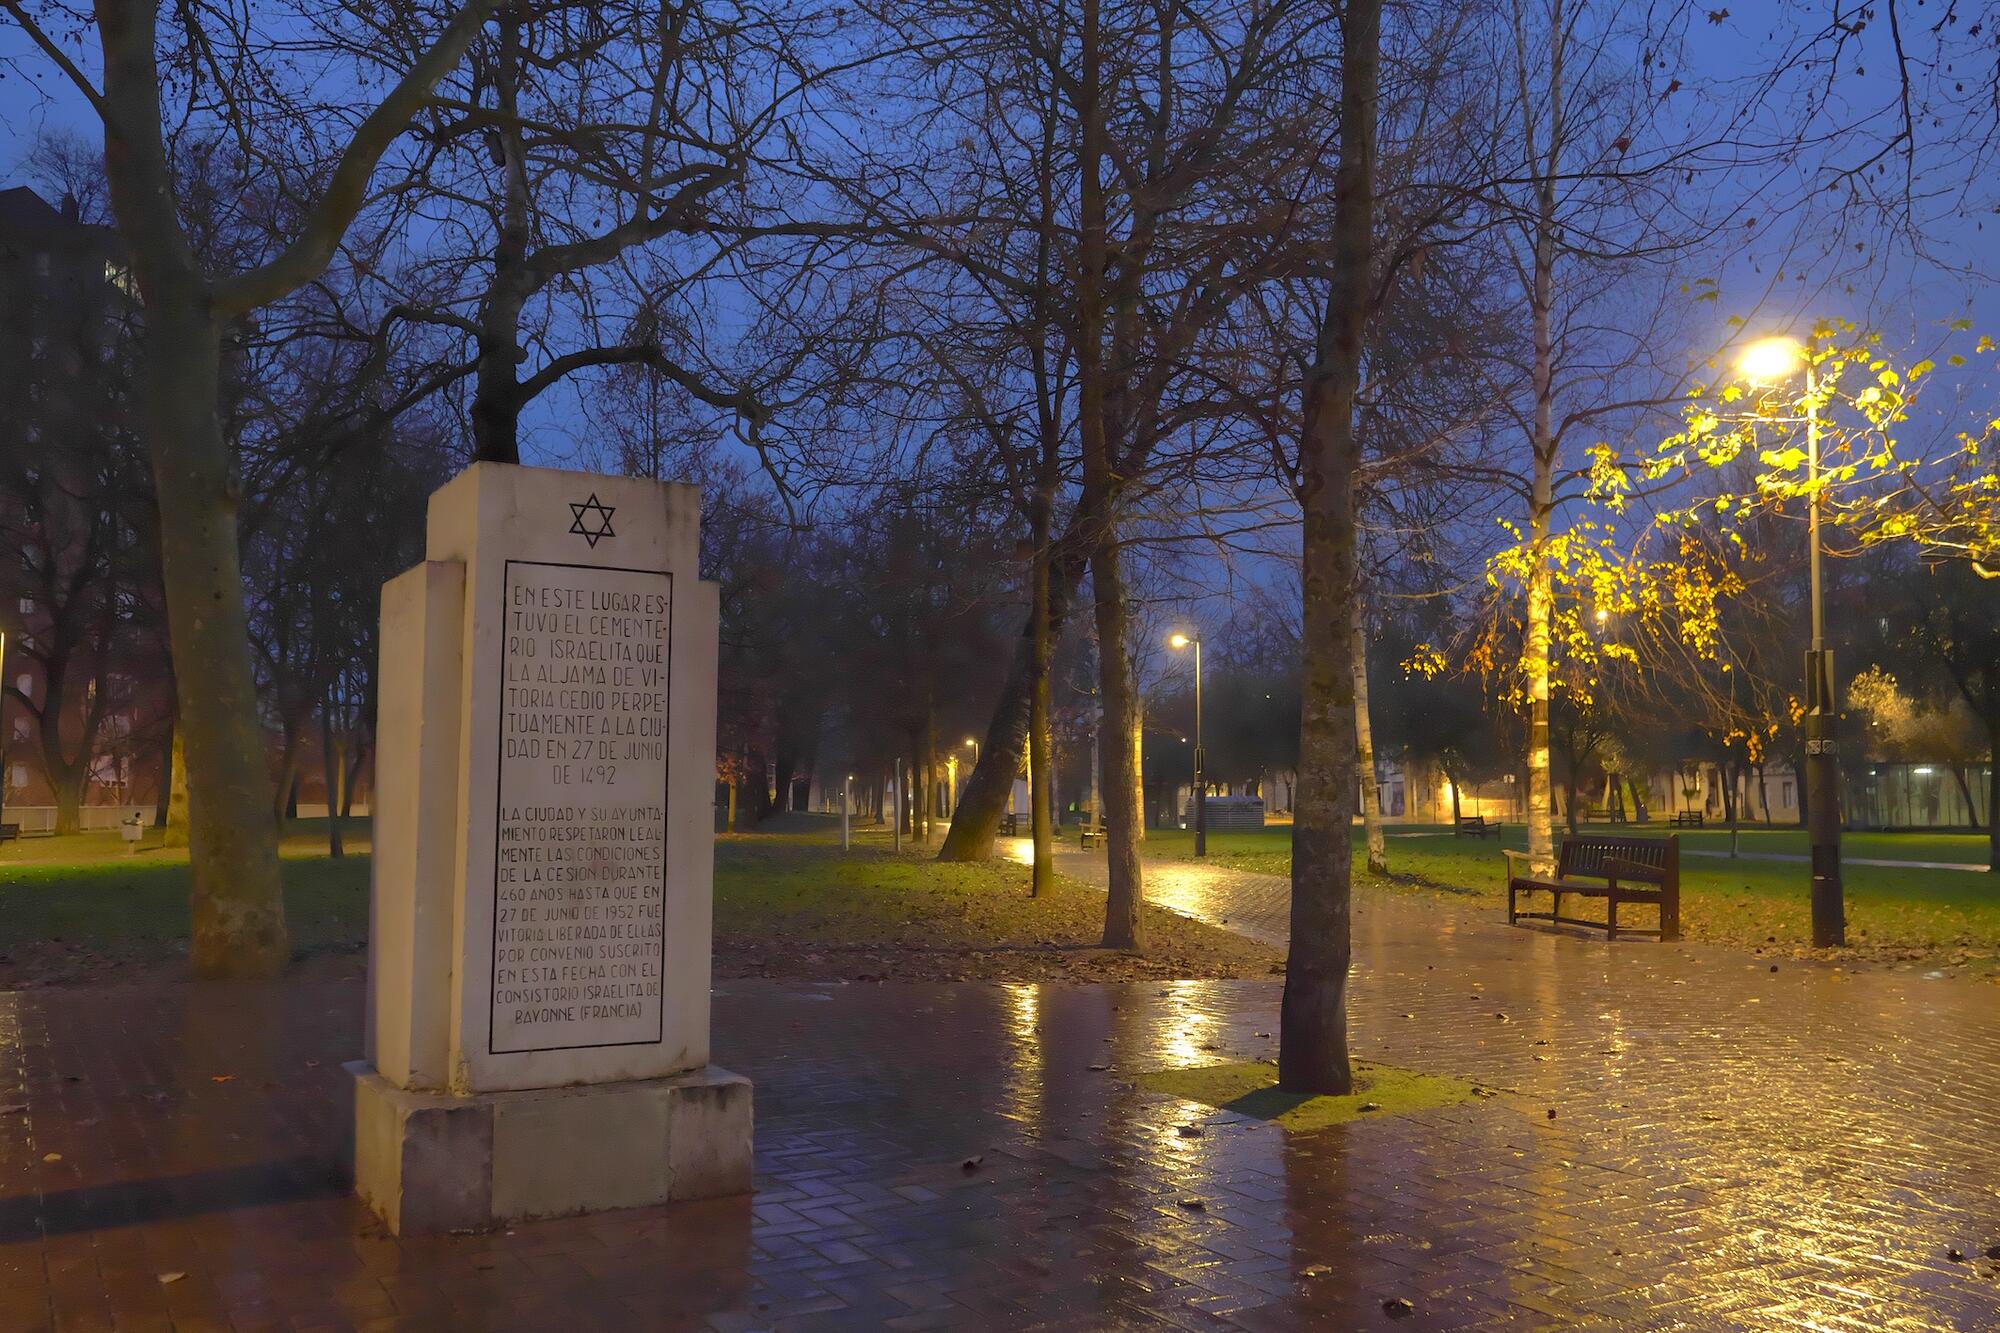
(1731, 1148)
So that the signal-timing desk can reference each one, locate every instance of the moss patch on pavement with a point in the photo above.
(1251, 1088)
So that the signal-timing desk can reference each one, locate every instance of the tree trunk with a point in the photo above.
(1009, 734)
(169, 751)
(1965, 794)
(282, 797)
(1127, 887)
(238, 901)
(1138, 766)
(357, 759)
(1041, 760)
(333, 766)
(1118, 782)
(69, 798)
(177, 797)
(68, 777)
(1364, 749)
(496, 403)
(1541, 502)
(1729, 804)
(238, 905)
(1993, 795)
(1569, 796)
(1125, 892)
(938, 804)
(1312, 1037)
(783, 769)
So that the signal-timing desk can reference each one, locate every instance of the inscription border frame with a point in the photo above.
(666, 810)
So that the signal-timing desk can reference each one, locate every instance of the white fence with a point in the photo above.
(42, 818)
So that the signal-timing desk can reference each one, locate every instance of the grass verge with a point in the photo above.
(787, 904)
(1894, 913)
(794, 905)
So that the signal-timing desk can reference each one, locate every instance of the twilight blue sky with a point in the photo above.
(1908, 295)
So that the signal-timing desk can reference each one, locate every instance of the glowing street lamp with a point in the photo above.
(973, 741)
(1177, 642)
(1770, 361)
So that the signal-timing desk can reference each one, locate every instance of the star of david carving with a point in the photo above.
(592, 519)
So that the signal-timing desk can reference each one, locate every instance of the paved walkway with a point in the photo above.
(1730, 1147)
(1252, 904)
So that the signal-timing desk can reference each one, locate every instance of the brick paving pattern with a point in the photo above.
(1731, 1148)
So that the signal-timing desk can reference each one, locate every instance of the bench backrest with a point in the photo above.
(1586, 856)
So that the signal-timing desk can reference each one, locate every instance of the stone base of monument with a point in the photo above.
(428, 1162)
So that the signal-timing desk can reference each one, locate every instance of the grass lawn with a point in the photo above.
(1747, 902)
(83, 907)
(788, 903)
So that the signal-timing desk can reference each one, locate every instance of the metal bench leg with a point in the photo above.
(1611, 918)
(1510, 903)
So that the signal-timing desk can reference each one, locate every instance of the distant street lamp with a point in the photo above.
(1770, 361)
(973, 741)
(1200, 791)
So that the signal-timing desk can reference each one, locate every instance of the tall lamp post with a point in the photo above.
(1771, 361)
(1200, 789)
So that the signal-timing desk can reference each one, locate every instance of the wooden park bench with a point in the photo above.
(1618, 870)
(1010, 824)
(9, 832)
(1688, 819)
(1474, 826)
(1091, 833)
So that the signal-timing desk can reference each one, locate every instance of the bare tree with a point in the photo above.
(1312, 1038)
(224, 66)
(76, 508)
